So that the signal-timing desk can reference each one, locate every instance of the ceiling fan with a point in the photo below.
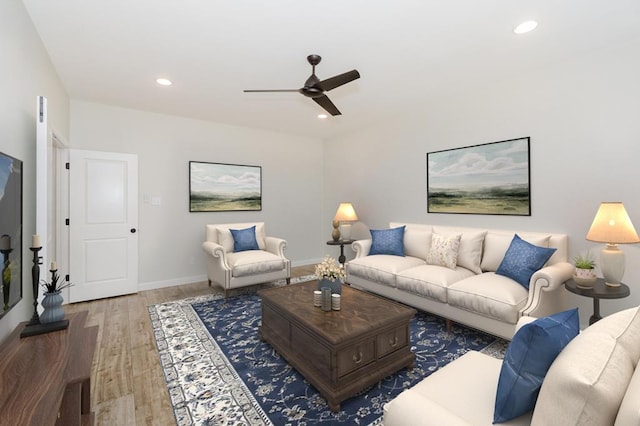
(314, 88)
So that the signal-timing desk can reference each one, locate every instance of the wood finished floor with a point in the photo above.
(127, 383)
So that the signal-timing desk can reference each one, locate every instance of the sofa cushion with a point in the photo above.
(497, 244)
(629, 413)
(417, 243)
(387, 241)
(491, 295)
(244, 239)
(381, 268)
(470, 249)
(522, 260)
(254, 262)
(529, 355)
(444, 250)
(460, 393)
(587, 381)
(431, 281)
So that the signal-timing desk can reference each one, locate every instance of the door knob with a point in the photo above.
(133, 230)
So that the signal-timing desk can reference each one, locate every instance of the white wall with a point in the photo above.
(26, 72)
(170, 237)
(583, 117)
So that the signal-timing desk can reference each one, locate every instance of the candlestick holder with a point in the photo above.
(34, 327)
(6, 277)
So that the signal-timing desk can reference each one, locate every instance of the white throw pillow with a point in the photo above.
(444, 250)
(470, 250)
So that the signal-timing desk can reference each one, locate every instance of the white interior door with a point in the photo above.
(103, 214)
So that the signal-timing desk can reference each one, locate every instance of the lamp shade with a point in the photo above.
(612, 225)
(345, 213)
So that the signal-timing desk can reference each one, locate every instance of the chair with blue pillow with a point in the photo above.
(241, 254)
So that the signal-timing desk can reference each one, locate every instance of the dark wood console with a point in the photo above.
(45, 379)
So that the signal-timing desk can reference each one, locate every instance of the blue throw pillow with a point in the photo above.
(528, 358)
(522, 259)
(387, 241)
(244, 239)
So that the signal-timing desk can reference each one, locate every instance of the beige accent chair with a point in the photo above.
(231, 270)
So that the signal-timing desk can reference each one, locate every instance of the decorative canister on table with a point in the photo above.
(317, 298)
(330, 274)
(335, 302)
(326, 299)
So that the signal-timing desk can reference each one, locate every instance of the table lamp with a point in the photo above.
(342, 219)
(612, 226)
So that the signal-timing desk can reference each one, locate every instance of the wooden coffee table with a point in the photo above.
(339, 352)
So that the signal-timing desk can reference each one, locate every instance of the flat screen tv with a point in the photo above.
(10, 231)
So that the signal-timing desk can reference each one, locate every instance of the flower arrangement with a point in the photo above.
(330, 270)
(55, 284)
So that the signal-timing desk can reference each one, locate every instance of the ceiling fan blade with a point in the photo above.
(326, 103)
(339, 80)
(272, 90)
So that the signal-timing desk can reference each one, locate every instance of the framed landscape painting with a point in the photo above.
(217, 187)
(491, 178)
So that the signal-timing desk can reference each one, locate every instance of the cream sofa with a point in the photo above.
(472, 293)
(595, 380)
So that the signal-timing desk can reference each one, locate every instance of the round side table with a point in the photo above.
(340, 243)
(599, 291)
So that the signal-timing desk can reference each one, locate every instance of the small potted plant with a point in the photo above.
(52, 301)
(585, 275)
(330, 274)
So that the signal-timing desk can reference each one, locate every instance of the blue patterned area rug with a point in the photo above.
(218, 372)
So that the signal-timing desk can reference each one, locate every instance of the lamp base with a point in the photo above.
(345, 231)
(612, 265)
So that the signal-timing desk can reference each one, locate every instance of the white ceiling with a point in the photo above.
(409, 52)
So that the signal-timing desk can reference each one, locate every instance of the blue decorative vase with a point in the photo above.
(52, 304)
(334, 285)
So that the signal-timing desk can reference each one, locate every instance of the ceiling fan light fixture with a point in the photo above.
(525, 27)
(164, 82)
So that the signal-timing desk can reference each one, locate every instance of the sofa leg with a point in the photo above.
(288, 280)
(226, 293)
(209, 283)
(448, 322)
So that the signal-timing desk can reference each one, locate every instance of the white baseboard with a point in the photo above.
(152, 285)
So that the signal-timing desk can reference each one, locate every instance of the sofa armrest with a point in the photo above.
(216, 253)
(275, 245)
(546, 290)
(361, 247)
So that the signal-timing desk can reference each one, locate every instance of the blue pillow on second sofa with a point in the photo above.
(244, 239)
(522, 260)
(387, 241)
(528, 358)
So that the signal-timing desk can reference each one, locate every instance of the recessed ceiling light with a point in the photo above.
(164, 82)
(525, 27)
(322, 116)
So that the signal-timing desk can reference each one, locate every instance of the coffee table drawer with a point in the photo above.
(355, 356)
(392, 340)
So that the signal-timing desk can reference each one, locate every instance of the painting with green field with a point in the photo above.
(491, 178)
(218, 187)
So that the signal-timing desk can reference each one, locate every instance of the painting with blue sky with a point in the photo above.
(224, 187)
(491, 178)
